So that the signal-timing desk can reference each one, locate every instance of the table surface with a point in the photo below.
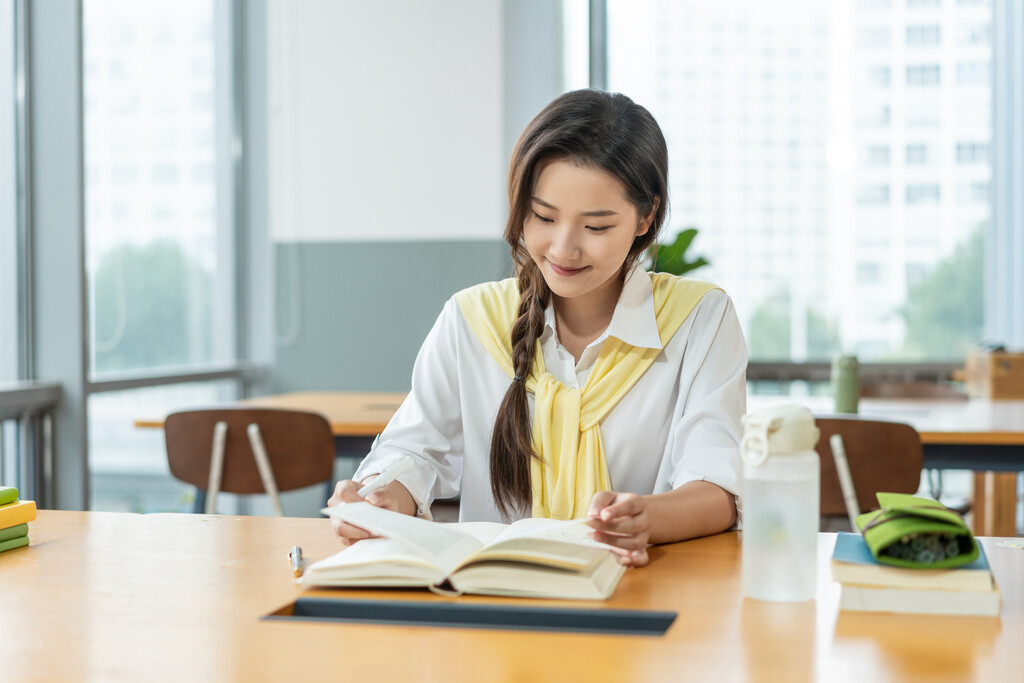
(118, 596)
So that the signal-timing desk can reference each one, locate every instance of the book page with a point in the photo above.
(443, 544)
(575, 531)
(553, 543)
(380, 561)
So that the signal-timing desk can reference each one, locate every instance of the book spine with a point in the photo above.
(14, 514)
(13, 543)
(16, 531)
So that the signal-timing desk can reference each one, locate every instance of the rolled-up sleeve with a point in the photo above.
(704, 444)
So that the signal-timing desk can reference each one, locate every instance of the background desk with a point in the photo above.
(116, 596)
(979, 435)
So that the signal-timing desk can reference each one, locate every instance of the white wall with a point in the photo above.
(385, 120)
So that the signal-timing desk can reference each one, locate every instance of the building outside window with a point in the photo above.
(822, 254)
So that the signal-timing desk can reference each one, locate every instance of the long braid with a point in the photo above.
(512, 440)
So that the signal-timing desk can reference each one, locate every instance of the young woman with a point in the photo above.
(585, 386)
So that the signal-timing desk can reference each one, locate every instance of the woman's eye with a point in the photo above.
(542, 219)
(598, 228)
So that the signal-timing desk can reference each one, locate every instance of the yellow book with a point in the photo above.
(14, 514)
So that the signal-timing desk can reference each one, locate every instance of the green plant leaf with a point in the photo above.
(671, 258)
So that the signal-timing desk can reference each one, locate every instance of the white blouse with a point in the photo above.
(679, 423)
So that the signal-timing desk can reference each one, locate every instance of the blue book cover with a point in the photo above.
(852, 548)
(852, 562)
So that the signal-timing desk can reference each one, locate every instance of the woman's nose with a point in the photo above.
(564, 243)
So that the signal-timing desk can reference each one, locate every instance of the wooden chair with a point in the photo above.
(882, 456)
(929, 390)
(295, 447)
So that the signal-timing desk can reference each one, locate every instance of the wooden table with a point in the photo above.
(351, 413)
(118, 596)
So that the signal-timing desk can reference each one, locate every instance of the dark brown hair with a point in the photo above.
(591, 129)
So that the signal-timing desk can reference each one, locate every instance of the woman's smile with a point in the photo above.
(566, 270)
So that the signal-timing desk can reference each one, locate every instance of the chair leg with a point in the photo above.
(935, 483)
(259, 452)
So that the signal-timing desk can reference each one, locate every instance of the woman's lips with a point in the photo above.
(562, 270)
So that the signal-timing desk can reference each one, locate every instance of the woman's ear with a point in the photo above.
(645, 223)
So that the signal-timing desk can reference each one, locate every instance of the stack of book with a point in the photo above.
(14, 518)
(870, 586)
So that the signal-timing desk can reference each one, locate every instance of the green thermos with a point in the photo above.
(846, 383)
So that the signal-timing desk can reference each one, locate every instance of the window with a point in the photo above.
(973, 34)
(922, 4)
(923, 115)
(873, 115)
(869, 273)
(923, 194)
(971, 193)
(920, 36)
(882, 101)
(868, 195)
(877, 155)
(923, 75)
(971, 153)
(160, 265)
(920, 154)
(874, 37)
(8, 202)
(878, 76)
(972, 73)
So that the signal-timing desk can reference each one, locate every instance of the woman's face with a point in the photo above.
(579, 230)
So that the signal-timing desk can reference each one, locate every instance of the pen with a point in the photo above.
(390, 473)
(296, 559)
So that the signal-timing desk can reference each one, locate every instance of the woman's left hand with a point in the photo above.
(622, 521)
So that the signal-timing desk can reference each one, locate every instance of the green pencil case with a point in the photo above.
(918, 533)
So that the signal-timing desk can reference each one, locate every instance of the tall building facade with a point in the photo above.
(831, 152)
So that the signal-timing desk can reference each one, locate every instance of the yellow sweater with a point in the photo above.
(566, 421)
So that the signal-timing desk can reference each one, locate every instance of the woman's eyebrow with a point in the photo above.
(599, 212)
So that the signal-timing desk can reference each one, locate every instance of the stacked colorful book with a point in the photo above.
(872, 586)
(15, 515)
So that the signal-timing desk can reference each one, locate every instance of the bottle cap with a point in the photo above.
(778, 430)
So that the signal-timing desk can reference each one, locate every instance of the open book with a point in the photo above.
(540, 558)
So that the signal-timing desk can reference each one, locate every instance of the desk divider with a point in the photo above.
(464, 615)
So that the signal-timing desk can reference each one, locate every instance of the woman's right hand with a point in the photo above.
(345, 491)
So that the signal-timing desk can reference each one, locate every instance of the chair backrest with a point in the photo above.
(882, 456)
(299, 445)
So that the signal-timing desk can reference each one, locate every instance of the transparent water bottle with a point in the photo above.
(781, 480)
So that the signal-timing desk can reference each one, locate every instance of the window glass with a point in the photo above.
(8, 201)
(128, 469)
(833, 182)
(158, 258)
(157, 84)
